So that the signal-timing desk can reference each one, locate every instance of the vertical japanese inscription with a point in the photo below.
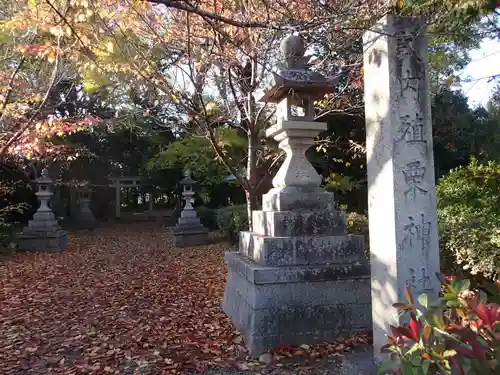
(414, 173)
(408, 63)
(419, 282)
(416, 234)
(412, 131)
(410, 73)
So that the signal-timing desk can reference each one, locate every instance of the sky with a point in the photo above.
(485, 63)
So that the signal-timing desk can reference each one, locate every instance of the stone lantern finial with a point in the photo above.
(293, 50)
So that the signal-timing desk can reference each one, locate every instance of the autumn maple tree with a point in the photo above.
(206, 60)
(31, 70)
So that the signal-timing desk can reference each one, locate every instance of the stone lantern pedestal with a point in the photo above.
(189, 231)
(43, 233)
(84, 219)
(299, 277)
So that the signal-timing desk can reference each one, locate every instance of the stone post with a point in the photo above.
(43, 233)
(298, 278)
(118, 204)
(189, 231)
(402, 200)
(150, 200)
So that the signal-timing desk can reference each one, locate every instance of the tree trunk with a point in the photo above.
(252, 177)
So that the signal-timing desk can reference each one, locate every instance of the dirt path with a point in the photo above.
(121, 301)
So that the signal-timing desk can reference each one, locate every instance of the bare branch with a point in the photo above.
(29, 122)
(182, 5)
(9, 89)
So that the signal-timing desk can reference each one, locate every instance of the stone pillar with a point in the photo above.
(402, 200)
(298, 278)
(150, 201)
(84, 218)
(118, 192)
(189, 231)
(43, 233)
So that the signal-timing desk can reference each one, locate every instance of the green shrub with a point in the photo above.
(207, 216)
(358, 224)
(469, 219)
(10, 209)
(232, 219)
(457, 334)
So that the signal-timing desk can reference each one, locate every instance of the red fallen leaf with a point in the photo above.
(241, 366)
(113, 286)
(25, 365)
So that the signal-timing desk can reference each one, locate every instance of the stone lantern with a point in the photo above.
(299, 277)
(43, 233)
(189, 231)
(85, 218)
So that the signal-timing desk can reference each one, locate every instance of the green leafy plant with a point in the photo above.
(457, 334)
(358, 224)
(9, 209)
(469, 219)
(232, 219)
(207, 216)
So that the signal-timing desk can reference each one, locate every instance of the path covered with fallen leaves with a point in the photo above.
(119, 300)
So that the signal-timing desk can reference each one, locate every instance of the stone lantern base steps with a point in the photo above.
(42, 234)
(299, 278)
(189, 231)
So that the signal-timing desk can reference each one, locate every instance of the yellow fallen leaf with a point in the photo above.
(110, 47)
(51, 57)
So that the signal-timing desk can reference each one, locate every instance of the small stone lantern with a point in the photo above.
(85, 218)
(43, 233)
(189, 231)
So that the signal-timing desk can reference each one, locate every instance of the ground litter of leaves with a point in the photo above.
(121, 300)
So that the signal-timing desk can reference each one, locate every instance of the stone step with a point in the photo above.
(293, 198)
(301, 250)
(324, 222)
(42, 224)
(296, 305)
(258, 274)
(189, 228)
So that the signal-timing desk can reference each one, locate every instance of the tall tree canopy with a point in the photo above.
(202, 62)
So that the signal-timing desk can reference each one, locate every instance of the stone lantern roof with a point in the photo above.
(187, 180)
(294, 77)
(44, 178)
